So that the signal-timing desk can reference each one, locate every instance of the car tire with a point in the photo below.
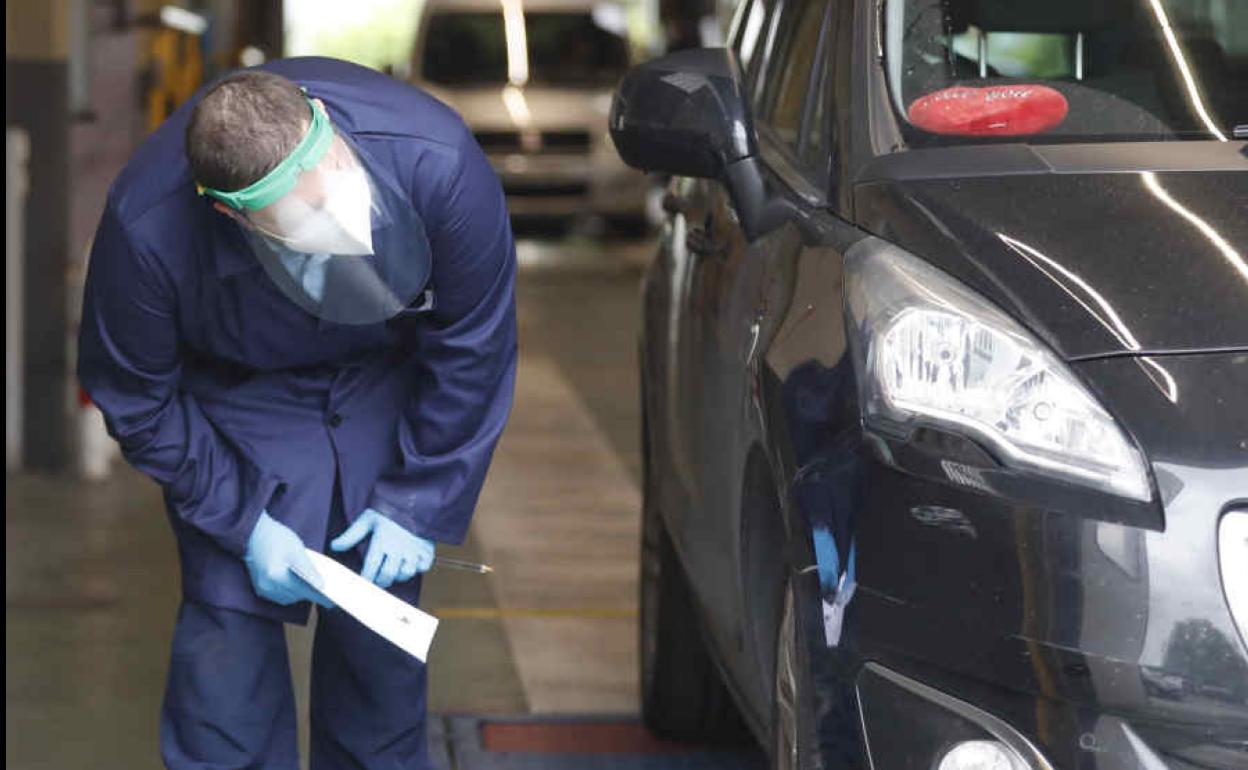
(682, 695)
(794, 745)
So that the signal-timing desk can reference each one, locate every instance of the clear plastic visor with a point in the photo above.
(345, 244)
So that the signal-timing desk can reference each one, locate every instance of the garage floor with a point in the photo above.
(91, 574)
(570, 743)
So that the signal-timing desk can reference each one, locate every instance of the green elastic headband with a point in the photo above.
(273, 185)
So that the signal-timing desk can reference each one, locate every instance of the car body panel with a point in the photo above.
(1075, 617)
(712, 312)
(1128, 245)
(1081, 620)
(1095, 629)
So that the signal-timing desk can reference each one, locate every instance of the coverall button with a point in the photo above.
(334, 420)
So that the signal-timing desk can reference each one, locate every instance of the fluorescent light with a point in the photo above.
(517, 42)
(251, 56)
(183, 20)
(517, 106)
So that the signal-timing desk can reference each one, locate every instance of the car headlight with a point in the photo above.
(932, 352)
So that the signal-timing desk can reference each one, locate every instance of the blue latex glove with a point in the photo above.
(272, 549)
(394, 554)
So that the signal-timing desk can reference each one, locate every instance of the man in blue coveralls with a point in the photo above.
(299, 319)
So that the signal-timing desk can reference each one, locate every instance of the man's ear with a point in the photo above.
(231, 213)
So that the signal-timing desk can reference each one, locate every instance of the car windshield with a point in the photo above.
(1046, 71)
(564, 48)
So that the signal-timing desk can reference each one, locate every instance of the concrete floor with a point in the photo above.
(91, 574)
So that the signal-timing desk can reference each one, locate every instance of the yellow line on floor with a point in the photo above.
(498, 613)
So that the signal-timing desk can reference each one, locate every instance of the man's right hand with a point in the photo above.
(272, 550)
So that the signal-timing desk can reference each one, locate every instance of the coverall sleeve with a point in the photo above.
(464, 361)
(130, 363)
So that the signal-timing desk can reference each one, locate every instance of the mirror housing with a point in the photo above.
(688, 114)
(685, 114)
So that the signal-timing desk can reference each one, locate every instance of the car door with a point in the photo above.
(747, 290)
(672, 349)
(695, 250)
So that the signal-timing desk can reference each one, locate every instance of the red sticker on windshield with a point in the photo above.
(989, 111)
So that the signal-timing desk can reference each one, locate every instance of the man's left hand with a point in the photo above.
(394, 554)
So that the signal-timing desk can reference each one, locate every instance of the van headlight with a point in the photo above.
(929, 351)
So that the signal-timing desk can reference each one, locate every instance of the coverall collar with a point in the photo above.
(234, 257)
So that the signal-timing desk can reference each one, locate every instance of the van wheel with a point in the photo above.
(682, 695)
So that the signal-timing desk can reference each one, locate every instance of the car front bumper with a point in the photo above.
(1098, 633)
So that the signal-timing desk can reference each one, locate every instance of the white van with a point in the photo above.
(533, 80)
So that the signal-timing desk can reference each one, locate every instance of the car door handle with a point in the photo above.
(697, 239)
(674, 204)
(700, 241)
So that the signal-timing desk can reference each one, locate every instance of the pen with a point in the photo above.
(470, 566)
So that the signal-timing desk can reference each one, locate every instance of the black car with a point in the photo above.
(945, 384)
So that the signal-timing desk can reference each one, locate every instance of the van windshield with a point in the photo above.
(1067, 70)
(564, 48)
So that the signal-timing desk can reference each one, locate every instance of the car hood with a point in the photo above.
(540, 107)
(1096, 263)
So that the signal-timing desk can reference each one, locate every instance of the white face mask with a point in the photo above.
(343, 223)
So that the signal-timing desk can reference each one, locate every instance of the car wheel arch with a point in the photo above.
(765, 560)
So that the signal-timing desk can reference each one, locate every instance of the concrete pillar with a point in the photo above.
(36, 100)
(260, 23)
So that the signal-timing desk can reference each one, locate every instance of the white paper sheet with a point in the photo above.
(834, 611)
(387, 615)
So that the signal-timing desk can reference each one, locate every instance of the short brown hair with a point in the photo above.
(243, 127)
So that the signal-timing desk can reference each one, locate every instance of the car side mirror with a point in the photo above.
(685, 114)
(688, 114)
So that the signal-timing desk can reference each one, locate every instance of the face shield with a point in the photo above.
(333, 231)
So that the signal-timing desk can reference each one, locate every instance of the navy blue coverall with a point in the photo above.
(236, 400)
